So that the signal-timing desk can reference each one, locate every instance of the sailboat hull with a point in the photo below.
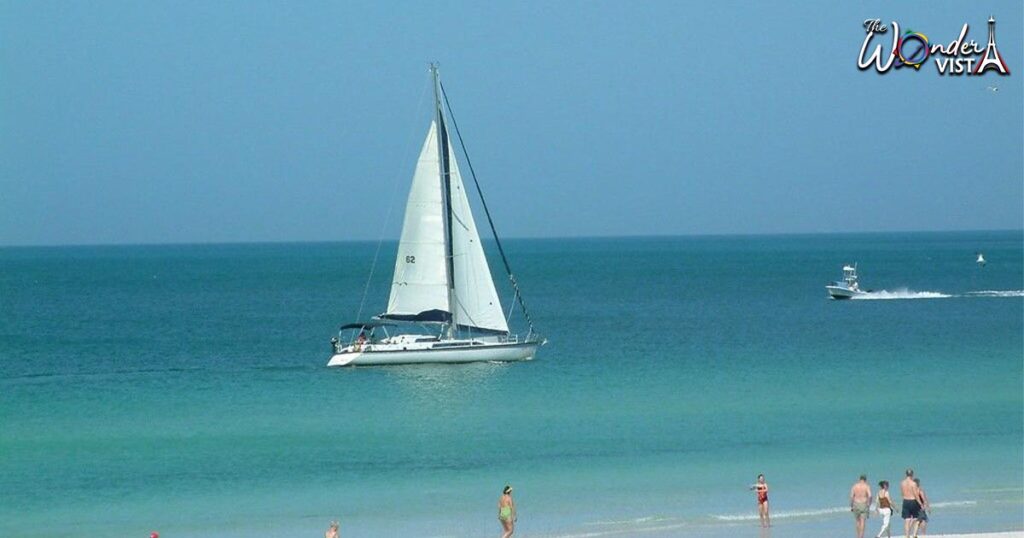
(505, 352)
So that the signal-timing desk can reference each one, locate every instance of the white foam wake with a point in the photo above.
(996, 293)
(901, 293)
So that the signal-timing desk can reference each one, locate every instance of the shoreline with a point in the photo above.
(1004, 534)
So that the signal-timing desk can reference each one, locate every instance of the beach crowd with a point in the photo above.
(914, 509)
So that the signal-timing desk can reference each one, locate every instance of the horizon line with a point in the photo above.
(491, 239)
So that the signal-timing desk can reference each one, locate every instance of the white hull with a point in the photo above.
(504, 352)
(841, 292)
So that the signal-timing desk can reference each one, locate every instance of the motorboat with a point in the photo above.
(849, 287)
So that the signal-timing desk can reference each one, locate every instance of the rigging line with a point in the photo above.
(511, 308)
(490, 221)
(387, 220)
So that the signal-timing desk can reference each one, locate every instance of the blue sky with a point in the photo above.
(152, 122)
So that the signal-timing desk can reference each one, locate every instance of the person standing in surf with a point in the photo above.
(761, 487)
(507, 512)
(884, 509)
(332, 530)
(922, 519)
(860, 502)
(911, 504)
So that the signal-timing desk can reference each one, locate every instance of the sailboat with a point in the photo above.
(443, 306)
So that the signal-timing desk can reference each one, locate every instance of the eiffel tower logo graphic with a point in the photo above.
(992, 59)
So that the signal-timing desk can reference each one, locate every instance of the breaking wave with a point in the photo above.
(632, 527)
(634, 521)
(783, 514)
(660, 524)
(950, 504)
(823, 512)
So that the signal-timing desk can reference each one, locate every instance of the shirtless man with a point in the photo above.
(911, 506)
(860, 501)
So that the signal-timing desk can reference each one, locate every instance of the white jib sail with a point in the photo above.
(421, 281)
(476, 300)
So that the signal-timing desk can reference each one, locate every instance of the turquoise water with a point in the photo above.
(183, 389)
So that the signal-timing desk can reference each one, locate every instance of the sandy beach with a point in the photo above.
(669, 531)
(1011, 534)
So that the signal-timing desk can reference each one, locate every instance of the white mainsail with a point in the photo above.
(420, 283)
(476, 299)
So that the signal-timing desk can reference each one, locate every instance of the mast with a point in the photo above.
(446, 191)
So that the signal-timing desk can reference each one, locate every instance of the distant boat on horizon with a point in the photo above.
(443, 306)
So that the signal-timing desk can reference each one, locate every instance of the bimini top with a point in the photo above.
(366, 325)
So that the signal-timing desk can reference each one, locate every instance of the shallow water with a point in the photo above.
(183, 389)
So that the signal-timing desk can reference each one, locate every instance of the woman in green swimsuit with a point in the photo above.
(507, 512)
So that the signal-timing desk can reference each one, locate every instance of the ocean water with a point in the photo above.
(183, 389)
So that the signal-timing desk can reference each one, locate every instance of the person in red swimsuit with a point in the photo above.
(761, 487)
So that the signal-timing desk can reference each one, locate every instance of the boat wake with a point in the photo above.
(901, 293)
(995, 293)
(904, 293)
